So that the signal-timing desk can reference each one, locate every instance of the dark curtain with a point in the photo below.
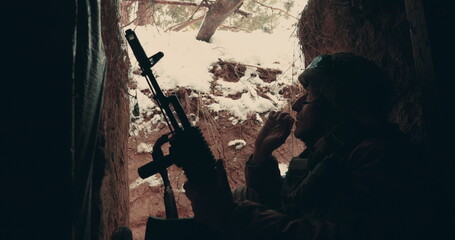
(53, 78)
(89, 73)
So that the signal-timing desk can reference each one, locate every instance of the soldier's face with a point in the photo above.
(310, 121)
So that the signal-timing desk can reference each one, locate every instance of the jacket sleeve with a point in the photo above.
(351, 212)
(252, 220)
(265, 179)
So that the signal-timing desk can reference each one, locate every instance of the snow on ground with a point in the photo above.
(238, 143)
(187, 61)
(152, 181)
(144, 148)
(283, 168)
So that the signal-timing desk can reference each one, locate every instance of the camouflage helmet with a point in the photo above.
(351, 83)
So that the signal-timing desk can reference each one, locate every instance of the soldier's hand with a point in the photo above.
(212, 205)
(272, 135)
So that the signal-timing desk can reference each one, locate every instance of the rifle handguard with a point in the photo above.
(190, 151)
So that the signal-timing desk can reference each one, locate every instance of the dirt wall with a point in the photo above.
(377, 30)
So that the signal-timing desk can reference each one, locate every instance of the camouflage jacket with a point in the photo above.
(354, 185)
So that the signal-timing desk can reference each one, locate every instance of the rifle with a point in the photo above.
(188, 150)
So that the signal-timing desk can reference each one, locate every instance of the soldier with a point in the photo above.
(351, 182)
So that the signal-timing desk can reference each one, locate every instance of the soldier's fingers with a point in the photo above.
(281, 116)
(277, 114)
(288, 119)
(271, 113)
(272, 118)
(288, 122)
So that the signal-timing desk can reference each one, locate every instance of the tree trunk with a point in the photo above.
(217, 13)
(110, 174)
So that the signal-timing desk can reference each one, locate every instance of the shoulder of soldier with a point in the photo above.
(385, 145)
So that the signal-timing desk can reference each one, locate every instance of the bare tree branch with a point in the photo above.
(273, 8)
(182, 3)
(234, 28)
(135, 18)
(185, 24)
